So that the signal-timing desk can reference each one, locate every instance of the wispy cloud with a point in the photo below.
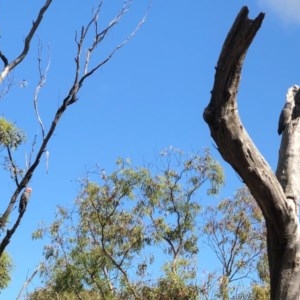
(287, 10)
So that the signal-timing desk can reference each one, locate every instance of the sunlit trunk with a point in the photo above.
(277, 196)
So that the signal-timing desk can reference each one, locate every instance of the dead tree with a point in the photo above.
(276, 194)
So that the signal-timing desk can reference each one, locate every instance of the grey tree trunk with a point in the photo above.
(277, 195)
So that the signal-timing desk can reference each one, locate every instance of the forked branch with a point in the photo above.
(227, 130)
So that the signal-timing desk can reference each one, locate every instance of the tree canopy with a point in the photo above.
(109, 242)
(134, 234)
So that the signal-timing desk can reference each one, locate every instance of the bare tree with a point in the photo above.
(87, 40)
(235, 232)
(276, 194)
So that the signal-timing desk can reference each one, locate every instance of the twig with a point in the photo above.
(118, 47)
(43, 77)
(14, 167)
(27, 282)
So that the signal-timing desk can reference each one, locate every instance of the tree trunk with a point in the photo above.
(277, 198)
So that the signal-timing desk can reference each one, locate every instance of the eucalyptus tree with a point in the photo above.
(112, 241)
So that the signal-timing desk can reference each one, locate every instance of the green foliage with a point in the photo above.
(263, 269)
(104, 244)
(67, 279)
(5, 270)
(49, 294)
(10, 135)
(171, 288)
(260, 292)
(10, 138)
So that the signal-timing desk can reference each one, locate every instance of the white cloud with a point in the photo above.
(287, 10)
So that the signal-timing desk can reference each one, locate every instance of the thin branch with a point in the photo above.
(14, 167)
(28, 175)
(4, 59)
(27, 282)
(41, 83)
(100, 37)
(115, 263)
(9, 232)
(28, 159)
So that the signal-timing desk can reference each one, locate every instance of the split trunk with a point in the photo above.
(276, 194)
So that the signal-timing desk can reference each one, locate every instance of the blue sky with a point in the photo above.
(149, 96)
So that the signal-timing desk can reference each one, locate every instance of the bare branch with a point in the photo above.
(100, 36)
(9, 66)
(28, 175)
(29, 158)
(14, 170)
(4, 59)
(9, 233)
(47, 154)
(113, 52)
(43, 76)
(27, 282)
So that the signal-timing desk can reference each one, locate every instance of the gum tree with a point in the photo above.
(276, 194)
(122, 224)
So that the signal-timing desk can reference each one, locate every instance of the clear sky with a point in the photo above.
(149, 96)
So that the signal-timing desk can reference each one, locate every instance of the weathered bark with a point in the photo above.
(278, 206)
(288, 167)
